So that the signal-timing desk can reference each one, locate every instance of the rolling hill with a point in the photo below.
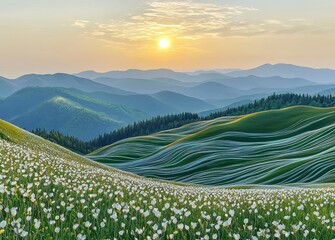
(293, 145)
(28, 99)
(48, 192)
(43, 108)
(68, 117)
(35, 107)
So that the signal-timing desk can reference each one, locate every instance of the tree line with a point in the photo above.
(161, 123)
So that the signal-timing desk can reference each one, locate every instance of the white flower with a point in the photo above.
(180, 226)
(2, 188)
(37, 224)
(81, 236)
(24, 234)
(237, 236)
(3, 224)
(57, 230)
(13, 211)
(231, 212)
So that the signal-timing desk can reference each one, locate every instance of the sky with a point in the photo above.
(48, 36)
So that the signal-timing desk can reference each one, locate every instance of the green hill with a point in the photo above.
(48, 192)
(292, 145)
(27, 99)
(68, 117)
(69, 111)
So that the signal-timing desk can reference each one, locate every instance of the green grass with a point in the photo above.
(287, 146)
(48, 192)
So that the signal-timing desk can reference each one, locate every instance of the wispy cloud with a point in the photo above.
(80, 23)
(187, 20)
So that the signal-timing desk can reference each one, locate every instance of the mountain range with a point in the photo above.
(69, 110)
(288, 71)
(116, 98)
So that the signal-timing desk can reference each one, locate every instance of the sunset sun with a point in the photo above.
(164, 43)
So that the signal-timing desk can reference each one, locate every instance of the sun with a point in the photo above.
(164, 43)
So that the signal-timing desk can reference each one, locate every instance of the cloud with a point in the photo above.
(186, 20)
(80, 23)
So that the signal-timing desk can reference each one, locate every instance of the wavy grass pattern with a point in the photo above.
(294, 145)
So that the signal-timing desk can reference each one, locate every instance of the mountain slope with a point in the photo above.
(293, 145)
(7, 87)
(182, 102)
(144, 86)
(70, 118)
(27, 99)
(289, 71)
(211, 90)
(35, 108)
(250, 82)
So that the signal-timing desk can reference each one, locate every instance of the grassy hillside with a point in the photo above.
(292, 145)
(69, 111)
(27, 99)
(68, 117)
(47, 192)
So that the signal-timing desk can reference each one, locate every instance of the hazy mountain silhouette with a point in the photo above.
(66, 81)
(289, 71)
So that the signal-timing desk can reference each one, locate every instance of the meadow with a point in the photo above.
(47, 192)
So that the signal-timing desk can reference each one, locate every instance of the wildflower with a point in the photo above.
(3, 224)
(81, 236)
(237, 236)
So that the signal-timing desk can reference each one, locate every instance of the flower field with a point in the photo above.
(47, 192)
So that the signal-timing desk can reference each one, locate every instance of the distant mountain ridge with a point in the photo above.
(136, 73)
(288, 71)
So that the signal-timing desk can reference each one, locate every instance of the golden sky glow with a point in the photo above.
(74, 35)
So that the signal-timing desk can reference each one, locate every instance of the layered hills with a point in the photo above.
(292, 145)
